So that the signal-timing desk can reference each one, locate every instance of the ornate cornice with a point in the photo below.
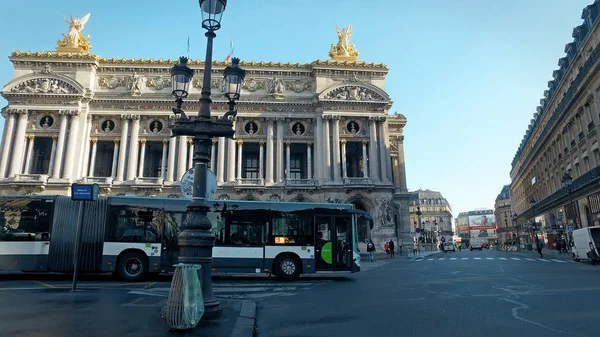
(247, 64)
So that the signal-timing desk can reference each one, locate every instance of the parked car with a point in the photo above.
(449, 246)
(586, 242)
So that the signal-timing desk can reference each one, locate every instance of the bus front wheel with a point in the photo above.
(132, 266)
(287, 267)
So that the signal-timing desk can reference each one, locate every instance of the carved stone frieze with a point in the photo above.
(353, 93)
(385, 217)
(111, 82)
(159, 83)
(253, 84)
(275, 87)
(135, 84)
(298, 86)
(45, 85)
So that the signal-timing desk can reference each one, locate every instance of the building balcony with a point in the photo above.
(102, 181)
(300, 183)
(358, 182)
(30, 178)
(250, 182)
(148, 181)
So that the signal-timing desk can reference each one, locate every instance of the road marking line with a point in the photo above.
(452, 258)
(528, 259)
(150, 285)
(543, 260)
(465, 258)
(477, 258)
(489, 258)
(515, 258)
(441, 258)
(560, 261)
(430, 259)
(502, 258)
(45, 284)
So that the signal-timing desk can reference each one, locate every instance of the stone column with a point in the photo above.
(142, 158)
(261, 150)
(213, 154)
(384, 153)
(239, 159)
(279, 171)
(344, 168)
(221, 161)
(29, 157)
(287, 160)
(113, 171)
(335, 143)
(123, 148)
(18, 151)
(309, 174)
(133, 147)
(401, 165)
(83, 167)
(60, 145)
(364, 160)
(163, 160)
(326, 150)
(373, 160)
(231, 160)
(384, 157)
(171, 159)
(181, 157)
(7, 143)
(72, 146)
(270, 154)
(319, 155)
(93, 157)
(52, 156)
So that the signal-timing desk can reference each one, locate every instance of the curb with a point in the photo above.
(244, 325)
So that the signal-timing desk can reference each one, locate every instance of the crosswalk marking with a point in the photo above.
(558, 260)
(477, 258)
(452, 258)
(465, 258)
(502, 258)
(516, 258)
(441, 258)
(430, 259)
(544, 260)
(489, 258)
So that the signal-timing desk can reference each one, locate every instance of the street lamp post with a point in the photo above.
(196, 240)
(419, 221)
(567, 181)
(515, 217)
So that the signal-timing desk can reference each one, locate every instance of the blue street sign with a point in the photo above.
(570, 228)
(85, 192)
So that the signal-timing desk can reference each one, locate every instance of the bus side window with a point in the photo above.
(247, 227)
(135, 224)
(23, 219)
(293, 228)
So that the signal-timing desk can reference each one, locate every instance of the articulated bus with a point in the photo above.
(134, 236)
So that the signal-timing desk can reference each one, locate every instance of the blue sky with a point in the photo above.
(468, 74)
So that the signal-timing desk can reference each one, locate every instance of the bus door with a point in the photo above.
(170, 248)
(333, 246)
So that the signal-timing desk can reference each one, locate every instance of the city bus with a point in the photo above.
(136, 236)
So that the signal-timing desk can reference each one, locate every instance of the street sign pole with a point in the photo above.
(81, 193)
(77, 245)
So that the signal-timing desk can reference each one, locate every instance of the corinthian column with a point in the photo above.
(93, 157)
(123, 148)
(181, 157)
(344, 168)
(221, 161)
(239, 160)
(142, 158)
(171, 159)
(113, 171)
(326, 150)
(279, 172)
(18, 151)
(309, 174)
(29, 157)
(270, 154)
(385, 158)
(52, 156)
(373, 160)
(163, 160)
(72, 145)
(336, 148)
(7, 142)
(133, 147)
(364, 160)
(60, 147)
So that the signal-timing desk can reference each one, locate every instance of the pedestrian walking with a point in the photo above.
(415, 248)
(371, 250)
(386, 246)
(391, 246)
(539, 246)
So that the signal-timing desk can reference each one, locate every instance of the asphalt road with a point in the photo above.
(488, 293)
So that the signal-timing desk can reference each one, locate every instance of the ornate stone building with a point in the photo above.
(436, 214)
(563, 137)
(503, 213)
(304, 132)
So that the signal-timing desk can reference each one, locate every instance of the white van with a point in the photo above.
(586, 243)
(476, 243)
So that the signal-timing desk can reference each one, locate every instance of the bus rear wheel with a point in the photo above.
(132, 267)
(287, 268)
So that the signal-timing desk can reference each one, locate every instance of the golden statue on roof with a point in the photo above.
(75, 41)
(343, 50)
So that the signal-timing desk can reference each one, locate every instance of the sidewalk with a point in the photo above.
(110, 312)
(405, 256)
(551, 254)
